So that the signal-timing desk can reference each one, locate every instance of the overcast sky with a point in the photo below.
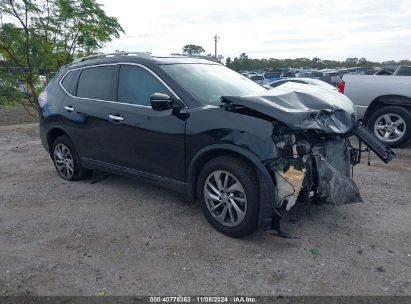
(375, 29)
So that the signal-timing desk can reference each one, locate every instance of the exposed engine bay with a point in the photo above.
(314, 165)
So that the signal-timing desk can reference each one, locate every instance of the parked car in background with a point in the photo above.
(331, 76)
(342, 72)
(271, 76)
(383, 103)
(316, 74)
(287, 74)
(303, 75)
(258, 79)
(310, 81)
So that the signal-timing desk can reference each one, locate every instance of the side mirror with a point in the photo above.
(161, 102)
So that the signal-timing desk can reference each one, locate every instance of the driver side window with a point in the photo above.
(136, 85)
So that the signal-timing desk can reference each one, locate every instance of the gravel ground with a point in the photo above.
(122, 237)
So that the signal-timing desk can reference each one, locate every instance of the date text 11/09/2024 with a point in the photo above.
(202, 299)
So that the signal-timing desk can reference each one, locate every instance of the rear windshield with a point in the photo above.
(209, 82)
(69, 79)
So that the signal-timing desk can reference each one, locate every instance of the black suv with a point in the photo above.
(193, 125)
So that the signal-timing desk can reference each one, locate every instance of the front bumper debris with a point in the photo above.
(335, 187)
(334, 180)
(378, 147)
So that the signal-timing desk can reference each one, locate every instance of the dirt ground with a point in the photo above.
(123, 237)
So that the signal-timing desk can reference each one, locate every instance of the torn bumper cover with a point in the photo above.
(334, 180)
(311, 127)
(325, 173)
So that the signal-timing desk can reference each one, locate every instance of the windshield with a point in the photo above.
(209, 82)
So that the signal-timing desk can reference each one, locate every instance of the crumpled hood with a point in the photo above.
(302, 107)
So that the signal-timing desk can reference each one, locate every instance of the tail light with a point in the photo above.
(341, 86)
(42, 99)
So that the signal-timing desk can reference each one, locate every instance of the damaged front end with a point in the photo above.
(311, 130)
(313, 165)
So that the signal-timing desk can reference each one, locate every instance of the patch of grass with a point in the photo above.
(8, 103)
(315, 251)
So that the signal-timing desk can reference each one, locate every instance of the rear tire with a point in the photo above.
(392, 125)
(66, 160)
(228, 191)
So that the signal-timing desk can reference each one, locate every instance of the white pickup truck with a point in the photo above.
(383, 103)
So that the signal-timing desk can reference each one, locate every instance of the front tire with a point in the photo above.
(392, 125)
(66, 160)
(228, 191)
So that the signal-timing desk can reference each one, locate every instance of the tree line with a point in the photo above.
(244, 62)
(39, 36)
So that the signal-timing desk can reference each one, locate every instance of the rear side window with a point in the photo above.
(404, 71)
(136, 85)
(69, 79)
(97, 83)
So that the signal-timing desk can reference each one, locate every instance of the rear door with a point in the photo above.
(93, 96)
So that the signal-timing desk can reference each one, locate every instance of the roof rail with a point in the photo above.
(98, 56)
(203, 57)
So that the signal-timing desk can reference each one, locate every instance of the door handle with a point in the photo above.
(69, 108)
(115, 118)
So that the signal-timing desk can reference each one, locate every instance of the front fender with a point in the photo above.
(267, 191)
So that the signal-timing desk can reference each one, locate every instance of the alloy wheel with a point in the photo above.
(64, 161)
(225, 198)
(390, 127)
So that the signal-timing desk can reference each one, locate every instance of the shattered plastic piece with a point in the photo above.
(379, 148)
(289, 186)
(314, 251)
(336, 187)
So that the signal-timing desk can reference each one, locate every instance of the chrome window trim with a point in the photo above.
(116, 64)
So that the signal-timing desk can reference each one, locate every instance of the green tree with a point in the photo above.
(192, 49)
(228, 62)
(42, 35)
(244, 62)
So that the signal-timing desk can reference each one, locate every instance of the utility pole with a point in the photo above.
(216, 38)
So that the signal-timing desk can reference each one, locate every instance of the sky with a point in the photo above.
(375, 29)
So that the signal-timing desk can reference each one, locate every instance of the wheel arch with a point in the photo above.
(386, 100)
(267, 189)
(54, 133)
